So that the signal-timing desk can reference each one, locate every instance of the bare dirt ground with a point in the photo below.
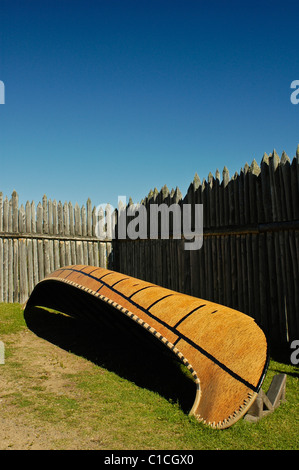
(35, 364)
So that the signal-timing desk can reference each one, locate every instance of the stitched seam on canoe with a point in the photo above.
(121, 280)
(187, 315)
(139, 290)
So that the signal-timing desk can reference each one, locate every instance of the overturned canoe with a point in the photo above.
(224, 349)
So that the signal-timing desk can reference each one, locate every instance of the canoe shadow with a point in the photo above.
(132, 353)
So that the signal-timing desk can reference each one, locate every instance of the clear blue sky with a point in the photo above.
(116, 97)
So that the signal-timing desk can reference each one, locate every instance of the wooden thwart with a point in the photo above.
(265, 404)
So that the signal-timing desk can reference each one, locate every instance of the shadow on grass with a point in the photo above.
(132, 354)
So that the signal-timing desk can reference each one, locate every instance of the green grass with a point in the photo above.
(122, 395)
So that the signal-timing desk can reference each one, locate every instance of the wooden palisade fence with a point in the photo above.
(250, 254)
(35, 241)
(249, 259)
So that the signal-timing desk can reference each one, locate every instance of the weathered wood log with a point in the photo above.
(225, 350)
